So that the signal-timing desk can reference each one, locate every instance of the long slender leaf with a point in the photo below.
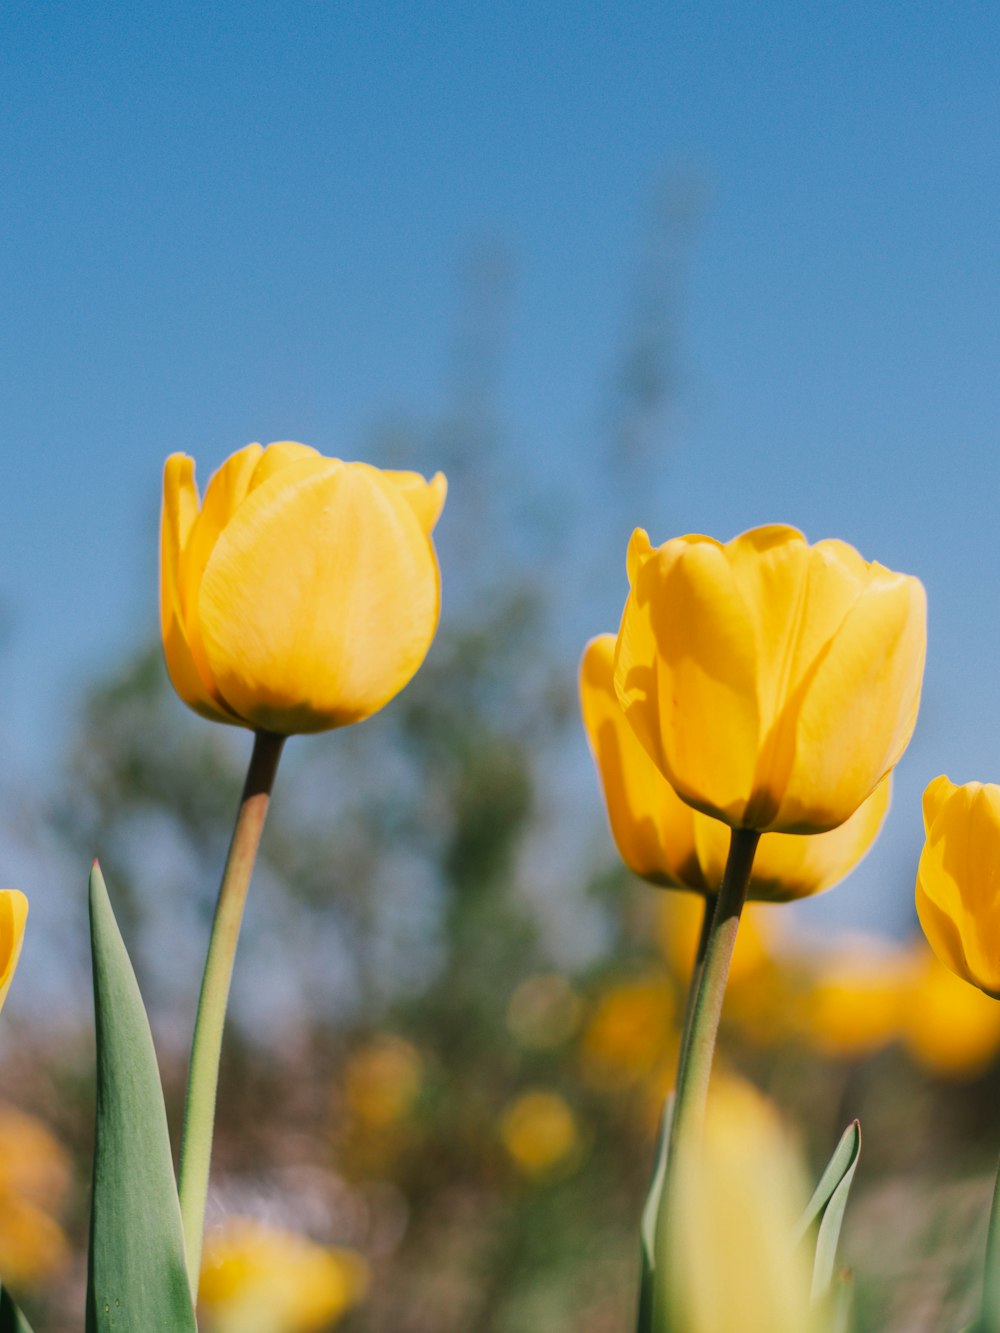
(137, 1279)
(11, 1318)
(989, 1313)
(647, 1227)
(844, 1158)
(833, 1215)
(841, 1302)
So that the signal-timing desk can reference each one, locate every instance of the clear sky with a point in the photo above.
(230, 222)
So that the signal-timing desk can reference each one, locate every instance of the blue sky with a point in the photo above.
(245, 221)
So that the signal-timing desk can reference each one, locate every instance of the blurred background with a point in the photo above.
(690, 268)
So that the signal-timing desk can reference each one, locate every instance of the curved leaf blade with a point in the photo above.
(844, 1159)
(138, 1277)
(828, 1236)
(11, 1318)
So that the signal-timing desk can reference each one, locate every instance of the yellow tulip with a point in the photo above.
(774, 684)
(257, 1278)
(730, 1258)
(857, 996)
(303, 593)
(668, 842)
(632, 1030)
(950, 1029)
(958, 879)
(13, 916)
(35, 1178)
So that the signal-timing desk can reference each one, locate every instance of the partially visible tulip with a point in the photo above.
(668, 842)
(730, 1258)
(631, 1031)
(774, 684)
(303, 592)
(958, 879)
(35, 1178)
(13, 916)
(857, 996)
(950, 1029)
(263, 1279)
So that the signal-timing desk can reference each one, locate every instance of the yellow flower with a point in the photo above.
(262, 1279)
(303, 593)
(13, 916)
(774, 684)
(666, 841)
(539, 1131)
(731, 1261)
(858, 996)
(949, 1028)
(383, 1080)
(632, 1030)
(35, 1177)
(958, 879)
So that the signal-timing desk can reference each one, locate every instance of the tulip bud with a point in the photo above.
(773, 684)
(303, 593)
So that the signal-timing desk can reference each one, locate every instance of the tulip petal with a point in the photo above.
(685, 672)
(180, 513)
(280, 454)
(13, 915)
(796, 865)
(653, 829)
(799, 596)
(936, 794)
(958, 885)
(303, 636)
(855, 713)
(426, 497)
(640, 548)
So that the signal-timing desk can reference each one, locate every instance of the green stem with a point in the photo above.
(698, 1048)
(704, 935)
(644, 1314)
(206, 1046)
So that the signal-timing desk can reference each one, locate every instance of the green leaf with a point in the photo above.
(841, 1302)
(989, 1313)
(647, 1228)
(11, 1318)
(138, 1278)
(829, 1200)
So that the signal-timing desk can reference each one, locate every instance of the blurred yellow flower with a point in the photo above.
(949, 1027)
(303, 593)
(540, 1132)
(34, 1183)
(631, 1031)
(382, 1080)
(13, 917)
(262, 1279)
(668, 842)
(774, 684)
(958, 879)
(858, 996)
(730, 1258)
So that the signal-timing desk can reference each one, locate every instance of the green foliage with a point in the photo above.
(137, 1277)
(11, 1318)
(829, 1199)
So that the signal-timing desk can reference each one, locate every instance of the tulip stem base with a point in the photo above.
(702, 1020)
(206, 1046)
